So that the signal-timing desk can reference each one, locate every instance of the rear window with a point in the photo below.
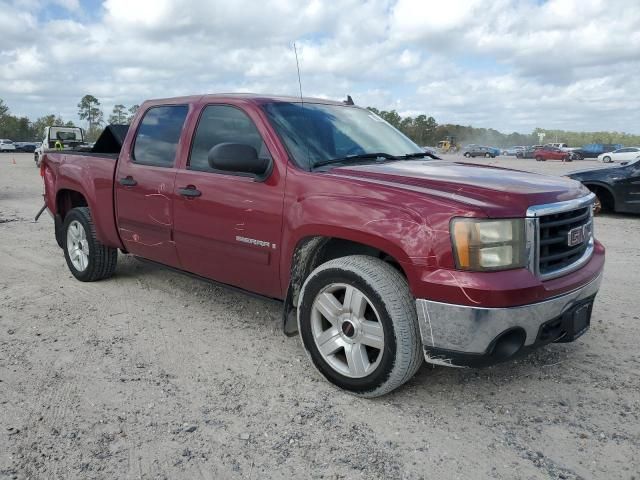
(157, 138)
(65, 134)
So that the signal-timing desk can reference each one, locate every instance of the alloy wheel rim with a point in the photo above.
(347, 330)
(77, 246)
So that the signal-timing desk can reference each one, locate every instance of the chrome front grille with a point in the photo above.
(561, 236)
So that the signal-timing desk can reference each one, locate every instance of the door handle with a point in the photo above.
(189, 191)
(128, 181)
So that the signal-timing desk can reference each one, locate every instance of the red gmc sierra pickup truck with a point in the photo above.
(382, 254)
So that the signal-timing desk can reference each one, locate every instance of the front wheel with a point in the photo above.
(358, 324)
(487, 155)
(87, 258)
(606, 159)
(539, 159)
(468, 155)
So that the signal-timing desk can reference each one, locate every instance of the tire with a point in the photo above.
(468, 155)
(487, 155)
(87, 258)
(35, 158)
(389, 313)
(597, 206)
(539, 159)
(606, 159)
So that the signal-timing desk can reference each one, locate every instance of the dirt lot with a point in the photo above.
(152, 374)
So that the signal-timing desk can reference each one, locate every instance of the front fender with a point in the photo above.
(395, 228)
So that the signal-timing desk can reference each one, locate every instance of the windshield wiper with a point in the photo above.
(419, 155)
(356, 158)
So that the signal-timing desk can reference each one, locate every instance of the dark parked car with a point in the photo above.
(617, 188)
(478, 151)
(28, 147)
(593, 150)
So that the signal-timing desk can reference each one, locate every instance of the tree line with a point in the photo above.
(422, 129)
(22, 129)
(425, 131)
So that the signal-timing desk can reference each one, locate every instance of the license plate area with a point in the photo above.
(577, 321)
(571, 325)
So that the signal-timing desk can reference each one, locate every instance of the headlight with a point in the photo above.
(481, 245)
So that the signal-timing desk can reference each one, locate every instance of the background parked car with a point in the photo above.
(617, 188)
(479, 151)
(513, 151)
(7, 145)
(495, 151)
(552, 153)
(528, 152)
(561, 146)
(620, 155)
(592, 150)
(28, 147)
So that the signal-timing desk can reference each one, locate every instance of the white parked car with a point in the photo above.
(7, 145)
(620, 155)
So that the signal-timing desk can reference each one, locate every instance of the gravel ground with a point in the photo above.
(152, 374)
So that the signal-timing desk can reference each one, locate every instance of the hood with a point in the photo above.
(499, 192)
(596, 171)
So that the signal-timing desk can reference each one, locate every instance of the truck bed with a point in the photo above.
(92, 173)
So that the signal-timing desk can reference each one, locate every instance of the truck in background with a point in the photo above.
(59, 137)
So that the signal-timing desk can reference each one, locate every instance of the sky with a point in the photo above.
(512, 65)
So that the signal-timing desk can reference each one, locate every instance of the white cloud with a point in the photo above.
(507, 64)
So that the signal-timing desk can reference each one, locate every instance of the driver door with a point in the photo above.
(228, 228)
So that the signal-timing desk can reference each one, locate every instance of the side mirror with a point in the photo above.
(239, 158)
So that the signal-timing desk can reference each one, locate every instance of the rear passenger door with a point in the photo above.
(144, 185)
(230, 231)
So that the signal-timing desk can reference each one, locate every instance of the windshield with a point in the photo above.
(318, 134)
(65, 134)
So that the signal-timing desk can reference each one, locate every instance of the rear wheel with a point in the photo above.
(468, 155)
(487, 155)
(358, 324)
(539, 159)
(606, 159)
(87, 258)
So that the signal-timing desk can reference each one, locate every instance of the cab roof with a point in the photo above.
(256, 98)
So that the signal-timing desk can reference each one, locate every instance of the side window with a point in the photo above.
(157, 138)
(223, 124)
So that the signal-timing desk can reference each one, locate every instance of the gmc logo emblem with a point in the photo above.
(578, 235)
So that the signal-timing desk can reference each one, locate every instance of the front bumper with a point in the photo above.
(459, 335)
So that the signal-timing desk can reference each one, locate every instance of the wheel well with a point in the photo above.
(68, 199)
(604, 194)
(314, 251)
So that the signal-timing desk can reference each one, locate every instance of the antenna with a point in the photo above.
(304, 115)
(295, 50)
